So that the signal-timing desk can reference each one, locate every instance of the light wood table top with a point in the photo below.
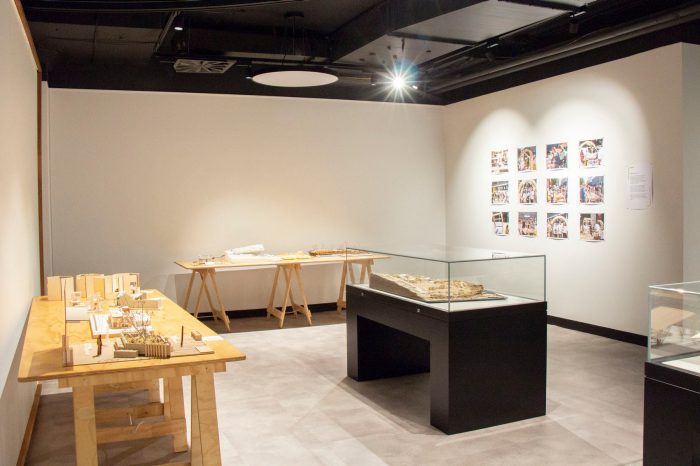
(42, 351)
(226, 263)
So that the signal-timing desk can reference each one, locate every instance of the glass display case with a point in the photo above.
(453, 279)
(671, 376)
(674, 325)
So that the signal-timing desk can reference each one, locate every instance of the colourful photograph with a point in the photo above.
(527, 224)
(527, 191)
(500, 221)
(592, 227)
(557, 190)
(591, 153)
(591, 190)
(527, 159)
(499, 161)
(499, 192)
(558, 225)
(557, 156)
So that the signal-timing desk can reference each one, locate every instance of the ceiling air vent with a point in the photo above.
(202, 66)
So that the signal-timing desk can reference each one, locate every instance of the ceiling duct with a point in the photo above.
(202, 66)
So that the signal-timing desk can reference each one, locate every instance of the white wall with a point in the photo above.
(138, 180)
(691, 161)
(19, 240)
(635, 105)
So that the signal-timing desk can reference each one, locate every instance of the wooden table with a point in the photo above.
(291, 271)
(42, 360)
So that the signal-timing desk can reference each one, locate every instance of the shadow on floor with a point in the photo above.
(257, 324)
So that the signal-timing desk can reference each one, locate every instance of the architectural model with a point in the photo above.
(428, 289)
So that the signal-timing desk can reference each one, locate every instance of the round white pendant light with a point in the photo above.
(294, 77)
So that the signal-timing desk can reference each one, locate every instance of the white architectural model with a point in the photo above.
(428, 289)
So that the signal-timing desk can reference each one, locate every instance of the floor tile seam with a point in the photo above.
(592, 445)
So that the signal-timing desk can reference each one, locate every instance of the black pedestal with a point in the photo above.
(487, 366)
(671, 416)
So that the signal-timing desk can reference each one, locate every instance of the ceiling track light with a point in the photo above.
(573, 26)
(179, 22)
(573, 19)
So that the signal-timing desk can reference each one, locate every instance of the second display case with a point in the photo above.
(475, 319)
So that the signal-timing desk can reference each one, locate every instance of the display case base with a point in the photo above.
(487, 366)
(671, 416)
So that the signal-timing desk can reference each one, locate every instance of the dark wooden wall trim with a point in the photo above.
(40, 178)
(27, 32)
(29, 429)
(619, 335)
(40, 206)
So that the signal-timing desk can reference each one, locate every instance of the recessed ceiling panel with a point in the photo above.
(132, 34)
(123, 52)
(387, 50)
(42, 30)
(481, 21)
(322, 16)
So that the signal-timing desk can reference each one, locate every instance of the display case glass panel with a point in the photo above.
(674, 325)
(454, 279)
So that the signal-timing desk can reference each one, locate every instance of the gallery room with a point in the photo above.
(350, 232)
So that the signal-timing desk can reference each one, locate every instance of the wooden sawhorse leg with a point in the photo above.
(292, 272)
(219, 311)
(189, 291)
(365, 271)
(341, 304)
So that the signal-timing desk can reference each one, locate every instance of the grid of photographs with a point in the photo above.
(556, 174)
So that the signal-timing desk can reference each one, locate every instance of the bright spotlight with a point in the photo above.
(398, 82)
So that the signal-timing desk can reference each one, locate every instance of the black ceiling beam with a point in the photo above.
(387, 17)
(242, 40)
(551, 34)
(553, 5)
(147, 20)
(444, 40)
(666, 21)
(146, 6)
(689, 32)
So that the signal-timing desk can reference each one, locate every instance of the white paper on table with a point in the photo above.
(251, 249)
(639, 186)
(77, 313)
(212, 338)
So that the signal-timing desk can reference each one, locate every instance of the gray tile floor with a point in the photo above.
(290, 403)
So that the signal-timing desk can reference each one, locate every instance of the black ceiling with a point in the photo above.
(451, 49)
